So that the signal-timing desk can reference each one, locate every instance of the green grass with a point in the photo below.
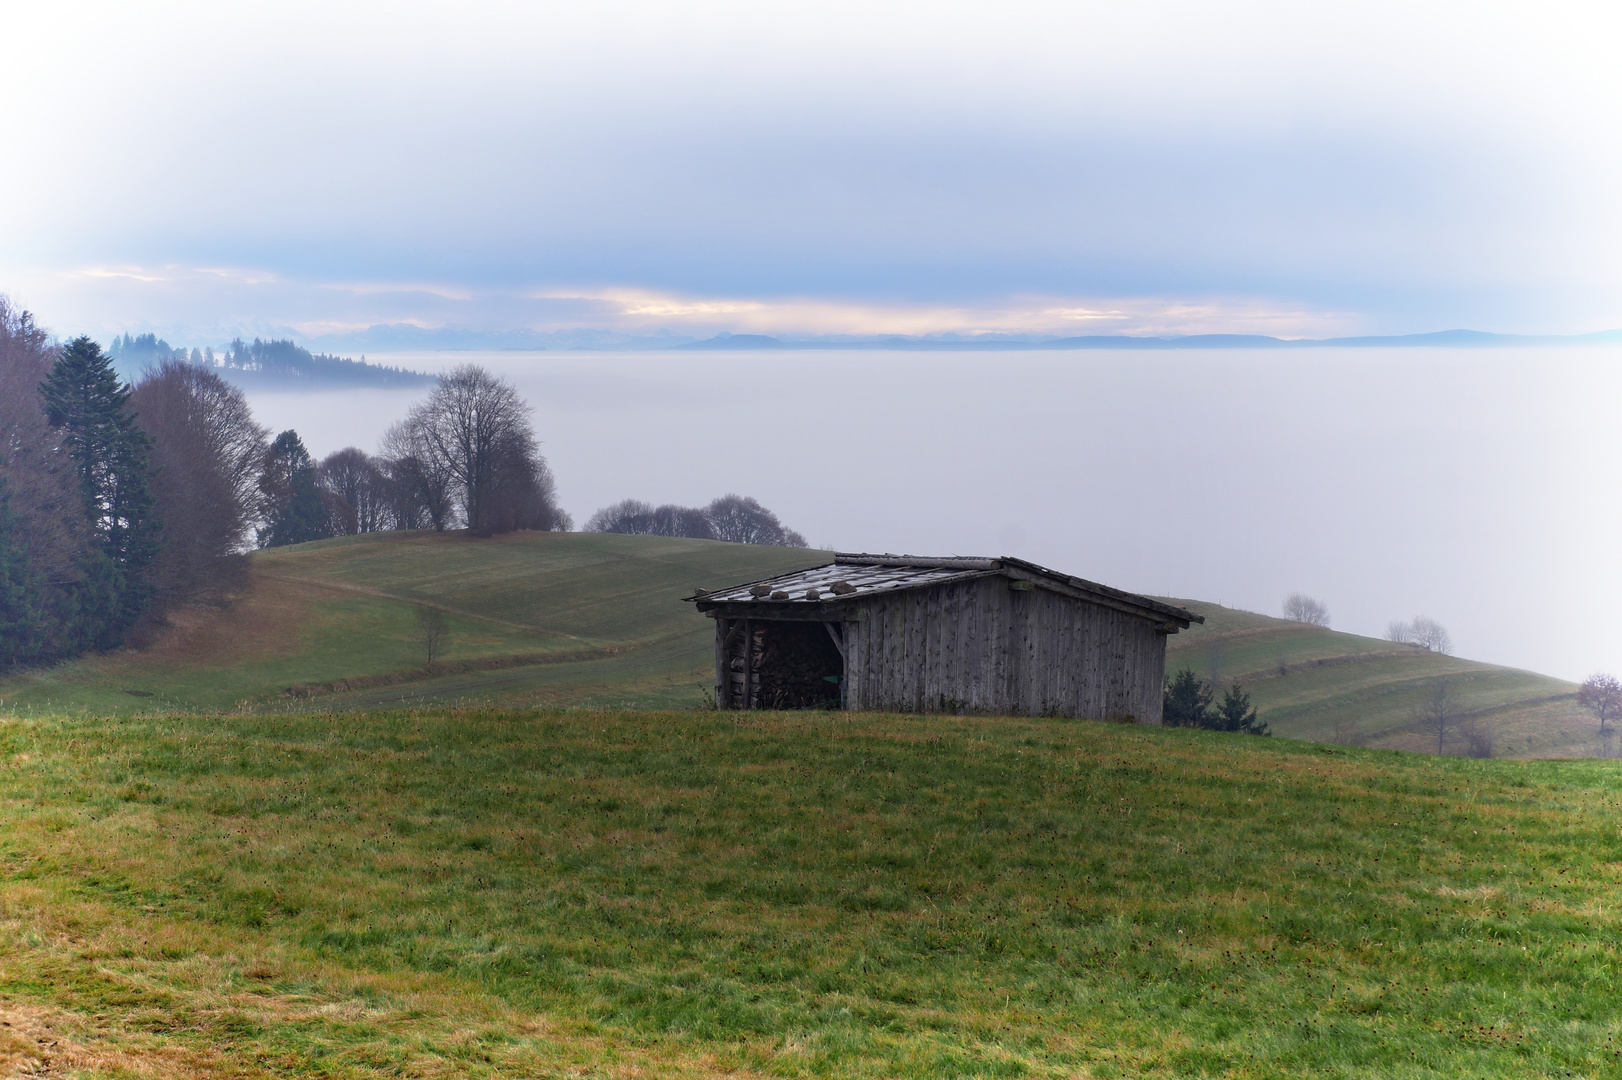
(1312, 683)
(571, 619)
(588, 619)
(475, 893)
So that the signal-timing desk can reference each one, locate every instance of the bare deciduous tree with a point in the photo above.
(1439, 712)
(739, 519)
(1430, 634)
(1601, 695)
(431, 633)
(685, 521)
(636, 518)
(421, 488)
(628, 517)
(1423, 631)
(353, 476)
(207, 452)
(474, 428)
(1301, 608)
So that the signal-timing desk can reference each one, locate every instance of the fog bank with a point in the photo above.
(1473, 486)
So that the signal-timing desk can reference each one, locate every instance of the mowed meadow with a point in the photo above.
(475, 893)
(597, 621)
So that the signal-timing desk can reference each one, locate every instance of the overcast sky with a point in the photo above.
(1298, 169)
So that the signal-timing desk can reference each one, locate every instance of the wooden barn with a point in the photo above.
(900, 633)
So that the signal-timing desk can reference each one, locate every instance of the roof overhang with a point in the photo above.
(831, 590)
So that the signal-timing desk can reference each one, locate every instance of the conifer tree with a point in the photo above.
(292, 506)
(1236, 714)
(1186, 702)
(83, 397)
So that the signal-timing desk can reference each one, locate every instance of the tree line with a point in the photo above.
(278, 362)
(736, 519)
(119, 501)
(465, 457)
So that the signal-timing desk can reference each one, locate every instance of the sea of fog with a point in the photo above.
(1482, 487)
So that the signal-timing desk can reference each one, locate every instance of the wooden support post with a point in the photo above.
(723, 685)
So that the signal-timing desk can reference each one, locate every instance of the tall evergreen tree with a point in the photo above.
(292, 505)
(84, 398)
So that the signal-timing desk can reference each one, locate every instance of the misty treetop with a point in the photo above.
(464, 457)
(736, 519)
(282, 363)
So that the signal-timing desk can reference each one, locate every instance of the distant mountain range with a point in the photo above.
(283, 364)
(1444, 338)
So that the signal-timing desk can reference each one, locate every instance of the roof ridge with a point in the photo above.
(929, 562)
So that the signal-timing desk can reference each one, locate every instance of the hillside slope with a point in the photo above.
(474, 894)
(534, 618)
(567, 619)
(1313, 683)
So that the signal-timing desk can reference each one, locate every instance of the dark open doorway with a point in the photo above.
(788, 665)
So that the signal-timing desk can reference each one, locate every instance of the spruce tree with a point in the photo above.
(1236, 714)
(1186, 702)
(83, 397)
(294, 511)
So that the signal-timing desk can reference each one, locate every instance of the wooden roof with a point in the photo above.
(859, 576)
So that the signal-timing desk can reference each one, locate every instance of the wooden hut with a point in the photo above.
(906, 634)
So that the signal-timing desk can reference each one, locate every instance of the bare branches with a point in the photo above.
(1601, 695)
(736, 519)
(469, 447)
(1423, 631)
(208, 453)
(432, 633)
(1301, 608)
(637, 518)
(423, 492)
(1439, 712)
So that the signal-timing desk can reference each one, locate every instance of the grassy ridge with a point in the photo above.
(597, 619)
(499, 894)
(570, 619)
(1314, 683)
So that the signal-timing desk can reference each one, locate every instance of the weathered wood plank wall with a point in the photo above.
(984, 646)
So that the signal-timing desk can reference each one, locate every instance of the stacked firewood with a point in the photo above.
(792, 662)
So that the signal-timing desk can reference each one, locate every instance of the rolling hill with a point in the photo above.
(1313, 683)
(574, 619)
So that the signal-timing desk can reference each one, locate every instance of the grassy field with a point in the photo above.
(1313, 683)
(571, 619)
(535, 619)
(471, 893)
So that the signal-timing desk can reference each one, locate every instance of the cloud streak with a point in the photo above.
(1383, 167)
(250, 302)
